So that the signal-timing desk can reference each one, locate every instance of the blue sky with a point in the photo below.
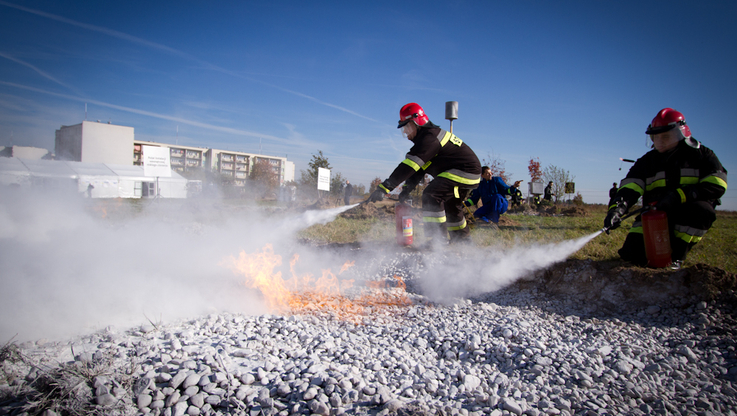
(573, 83)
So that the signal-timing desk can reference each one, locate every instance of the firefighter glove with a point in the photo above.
(614, 218)
(377, 195)
(670, 200)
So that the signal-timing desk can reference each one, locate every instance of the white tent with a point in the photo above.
(134, 184)
(52, 175)
(107, 180)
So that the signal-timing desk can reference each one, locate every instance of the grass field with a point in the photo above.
(718, 248)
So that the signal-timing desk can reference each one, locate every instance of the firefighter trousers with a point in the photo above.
(442, 210)
(688, 223)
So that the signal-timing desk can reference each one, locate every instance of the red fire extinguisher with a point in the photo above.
(657, 238)
(403, 217)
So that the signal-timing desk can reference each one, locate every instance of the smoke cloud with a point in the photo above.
(70, 266)
(483, 270)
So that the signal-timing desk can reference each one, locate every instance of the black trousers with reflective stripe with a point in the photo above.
(440, 196)
(699, 215)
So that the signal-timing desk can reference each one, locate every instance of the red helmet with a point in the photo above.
(412, 112)
(667, 119)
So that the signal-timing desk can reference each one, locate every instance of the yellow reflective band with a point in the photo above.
(445, 139)
(426, 165)
(689, 180)
(686, 237)
(412, 164)
(457, 227)
(384, 188)
(716, 181)
(635, 187)
(455, 192)
(459, 179)
(434, 219)
(683, 196)
(657, 184)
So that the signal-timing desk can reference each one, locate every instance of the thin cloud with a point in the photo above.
(176, 52)
(152, 114)
(99, 29)
(42, 73)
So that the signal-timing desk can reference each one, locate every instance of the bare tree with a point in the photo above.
(496, 165)
(559, 177)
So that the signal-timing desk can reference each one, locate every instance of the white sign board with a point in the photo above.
(156, 161)
(323, 179)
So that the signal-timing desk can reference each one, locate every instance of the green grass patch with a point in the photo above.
(717, 249)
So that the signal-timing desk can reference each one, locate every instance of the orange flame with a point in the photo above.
(306, 294)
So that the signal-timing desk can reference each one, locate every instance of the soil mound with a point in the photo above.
(574, 211)
(617, 287)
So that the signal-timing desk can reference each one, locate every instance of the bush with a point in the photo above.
(578, 199)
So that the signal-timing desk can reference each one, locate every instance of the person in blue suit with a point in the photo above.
(492, 191)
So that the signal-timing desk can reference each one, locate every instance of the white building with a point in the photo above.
(238, 165)
(95, 142)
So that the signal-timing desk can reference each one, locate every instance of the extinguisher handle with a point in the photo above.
(635, 212)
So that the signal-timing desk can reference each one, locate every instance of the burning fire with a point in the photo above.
(307, 294)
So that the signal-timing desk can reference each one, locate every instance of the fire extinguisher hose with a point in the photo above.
(635, 212)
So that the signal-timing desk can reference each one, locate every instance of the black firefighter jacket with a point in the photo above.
(438, 153)
(690, 169)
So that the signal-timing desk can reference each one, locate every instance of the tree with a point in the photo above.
(359, 190)
(534, 168)
(309, 177)
(337, 183)
(374, 184)
(263, 176)
(496, 165)
(308, 180)
(559, 177)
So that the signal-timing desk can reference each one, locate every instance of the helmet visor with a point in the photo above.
(662, 129)
(402, 123)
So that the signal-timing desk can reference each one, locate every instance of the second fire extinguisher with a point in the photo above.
(403, 217)
(657, 238)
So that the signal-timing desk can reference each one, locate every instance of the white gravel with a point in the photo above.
(510, 352)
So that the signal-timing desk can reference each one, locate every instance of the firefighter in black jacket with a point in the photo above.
(455, 169)
(682, 177)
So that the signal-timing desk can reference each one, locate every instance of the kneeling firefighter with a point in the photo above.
(680, 177)
(455, 169)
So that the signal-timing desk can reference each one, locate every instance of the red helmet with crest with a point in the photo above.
(412, 112)
(667, 119)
